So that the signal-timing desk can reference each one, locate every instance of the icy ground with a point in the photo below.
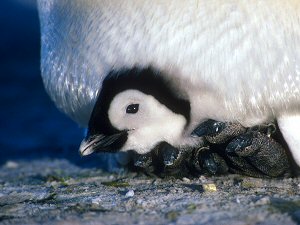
(49, 191)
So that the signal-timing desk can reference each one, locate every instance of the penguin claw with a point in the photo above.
(240, 144)
(216, 132)
(169, 154)
(230, 147)
(260, 155)
(249, 151)
(142, 160)
(209, 127)
(212, 163)
(163, 160)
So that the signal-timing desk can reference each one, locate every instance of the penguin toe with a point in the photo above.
(169, 154)
(142, 160)
(242, 145)
(216, 132)
(208, 127)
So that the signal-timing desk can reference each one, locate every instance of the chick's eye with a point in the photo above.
(132, 109)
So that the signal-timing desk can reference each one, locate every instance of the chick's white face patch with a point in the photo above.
(152, 123)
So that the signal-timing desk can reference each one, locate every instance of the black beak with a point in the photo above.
(102, 143)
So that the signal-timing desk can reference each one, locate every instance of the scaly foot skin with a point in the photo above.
(143, 161)
(211, 162)
(262, 152)
(249, 151)
(168, 161)
(217, 132)
(164, 160)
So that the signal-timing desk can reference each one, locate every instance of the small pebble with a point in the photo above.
(185, 179)
(209, 187)
(203, 179)
(263, 201)
(139, 201)
(130, 193)
(96, 200)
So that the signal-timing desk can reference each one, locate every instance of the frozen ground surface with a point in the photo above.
(44, 181)
(49, 191)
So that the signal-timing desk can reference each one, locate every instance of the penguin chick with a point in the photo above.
(235, 61)
(136, 110)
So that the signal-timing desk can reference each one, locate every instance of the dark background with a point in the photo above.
(31, 126)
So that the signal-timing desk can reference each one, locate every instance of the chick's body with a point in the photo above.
(234, 60)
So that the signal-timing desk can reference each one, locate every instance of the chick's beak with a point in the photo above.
(102, 143)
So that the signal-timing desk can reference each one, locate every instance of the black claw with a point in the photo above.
(207, 161)
(239, 143)
(142, 161)
(210, 165)
(169, 154)
(209, 127)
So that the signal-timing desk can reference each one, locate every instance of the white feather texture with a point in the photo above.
(236, 60)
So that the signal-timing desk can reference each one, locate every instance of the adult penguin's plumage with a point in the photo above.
(232, 60)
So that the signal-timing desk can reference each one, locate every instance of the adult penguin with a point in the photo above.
(233, 61)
